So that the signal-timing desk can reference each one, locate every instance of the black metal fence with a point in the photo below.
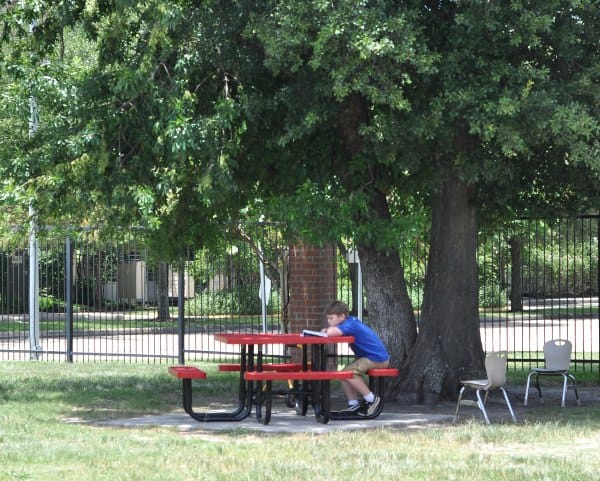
(538, 281)
(125, 305)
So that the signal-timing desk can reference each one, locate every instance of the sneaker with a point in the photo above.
(371, 407)
(352, 409)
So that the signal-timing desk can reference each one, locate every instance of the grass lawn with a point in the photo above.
(42, 437)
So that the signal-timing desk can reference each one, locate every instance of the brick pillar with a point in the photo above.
(312, 285)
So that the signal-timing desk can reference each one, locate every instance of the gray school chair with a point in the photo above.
(495, 368)
(557, 361)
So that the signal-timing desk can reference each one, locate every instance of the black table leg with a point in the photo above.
(320, 390)
(245, 394)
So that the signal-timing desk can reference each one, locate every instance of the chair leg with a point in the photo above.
(572, 378)
(514, 418)
(564, 391)
(482, 406)
(527, 388)
(460, 394)
(537, 385)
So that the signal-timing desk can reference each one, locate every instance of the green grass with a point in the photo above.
(46, 434)
(518, 376)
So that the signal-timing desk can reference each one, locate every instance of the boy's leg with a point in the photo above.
(349, 390)
(360, 367)
(356, 385)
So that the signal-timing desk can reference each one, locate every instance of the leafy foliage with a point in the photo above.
(174, 114)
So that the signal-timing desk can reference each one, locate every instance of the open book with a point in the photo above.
(309, 332)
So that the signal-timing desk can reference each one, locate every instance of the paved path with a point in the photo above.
(394, 416)
(286, 422)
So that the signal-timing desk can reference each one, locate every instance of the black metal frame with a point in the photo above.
(246, 394)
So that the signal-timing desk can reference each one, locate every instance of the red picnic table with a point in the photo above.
(313, 383)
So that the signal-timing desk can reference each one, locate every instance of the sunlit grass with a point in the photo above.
(47, 433)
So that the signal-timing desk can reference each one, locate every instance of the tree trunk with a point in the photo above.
(390, 310)
(284, 271)
(162, 284)
(449, 343)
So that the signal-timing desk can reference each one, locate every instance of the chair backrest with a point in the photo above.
(557, 354)
(495, 367)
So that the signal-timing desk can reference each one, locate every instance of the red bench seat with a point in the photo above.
(187, 372)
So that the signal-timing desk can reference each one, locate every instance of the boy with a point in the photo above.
(369, 351)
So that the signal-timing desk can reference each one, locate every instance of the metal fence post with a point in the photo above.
(68, 299)
(35, 346)
(180, 312)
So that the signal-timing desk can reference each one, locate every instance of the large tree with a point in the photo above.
(467, 106)
(345, 116)
(515, 119)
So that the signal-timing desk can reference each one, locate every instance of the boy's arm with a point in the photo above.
(333, 331)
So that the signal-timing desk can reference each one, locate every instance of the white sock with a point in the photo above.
(370, 397)
(353, 402)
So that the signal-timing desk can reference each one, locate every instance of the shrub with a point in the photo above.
(240, 300)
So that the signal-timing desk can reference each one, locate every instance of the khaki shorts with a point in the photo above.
(361, 365)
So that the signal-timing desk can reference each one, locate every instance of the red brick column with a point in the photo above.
(312, 285)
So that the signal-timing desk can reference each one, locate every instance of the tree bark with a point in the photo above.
(448, 345)
(390, 310)
(162, 284)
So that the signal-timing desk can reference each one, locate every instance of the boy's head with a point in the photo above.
(336, 313)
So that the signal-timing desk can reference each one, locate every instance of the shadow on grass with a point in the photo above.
(104, 391)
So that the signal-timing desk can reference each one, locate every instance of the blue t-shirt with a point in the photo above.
(366, 342)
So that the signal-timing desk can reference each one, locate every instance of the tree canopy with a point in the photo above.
(162, 109)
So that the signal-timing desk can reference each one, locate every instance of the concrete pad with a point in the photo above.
(282, 422)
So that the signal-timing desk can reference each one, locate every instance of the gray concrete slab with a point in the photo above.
(283, 422)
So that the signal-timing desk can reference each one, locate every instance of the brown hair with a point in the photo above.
(337, 308)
